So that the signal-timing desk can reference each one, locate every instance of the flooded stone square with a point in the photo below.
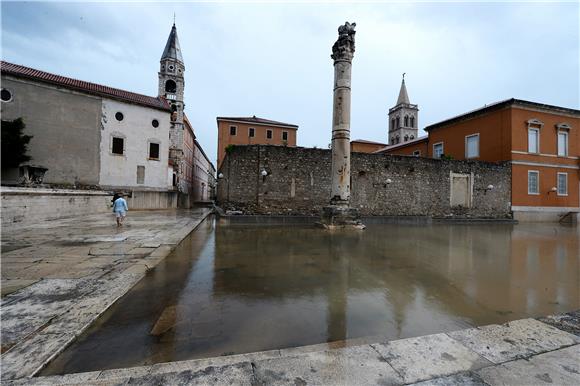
(244, 288)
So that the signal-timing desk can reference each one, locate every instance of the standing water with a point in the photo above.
(237, 289)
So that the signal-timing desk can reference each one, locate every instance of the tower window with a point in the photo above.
(398, 122)
(118, 145)
(406, 138)
(170, 86)
(412, 121)
(155, 123)
(406, 121)
(119, 116)
(5, 95)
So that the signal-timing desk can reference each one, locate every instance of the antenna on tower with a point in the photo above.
(404, 75)
(173, 18)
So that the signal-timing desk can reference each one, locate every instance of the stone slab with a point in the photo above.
(12, 285)
(514, 340)
(236, 374)
(569, 322)
(24, 360)
(425, 357)
(347, 366)
(464, 379)
(561, 367)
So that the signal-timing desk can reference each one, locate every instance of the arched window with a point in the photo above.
(392, 140)
(412, 137)
(398, 138)
(406, 121)
(398, 122)
(406, 138)
(412, 121)
(170, 86)
(393, 123)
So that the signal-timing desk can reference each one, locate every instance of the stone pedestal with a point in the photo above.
(340, 217)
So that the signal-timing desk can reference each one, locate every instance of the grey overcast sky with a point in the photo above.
(273, 59)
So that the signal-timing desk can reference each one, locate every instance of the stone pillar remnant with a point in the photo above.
(339, 214)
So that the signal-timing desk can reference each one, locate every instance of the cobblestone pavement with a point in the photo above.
(522, 352)
(59, 276)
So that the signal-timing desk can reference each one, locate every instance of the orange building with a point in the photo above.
(541, 141)
(253, 131)
(364, 146)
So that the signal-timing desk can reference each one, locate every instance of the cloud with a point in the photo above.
(273, 60)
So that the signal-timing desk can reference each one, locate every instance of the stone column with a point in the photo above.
(339, 214)
(342, 53)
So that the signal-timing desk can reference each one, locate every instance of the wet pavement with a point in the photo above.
(59, 276)
(522, 352)
(244, 288)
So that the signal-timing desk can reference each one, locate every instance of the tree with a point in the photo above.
(14, 143)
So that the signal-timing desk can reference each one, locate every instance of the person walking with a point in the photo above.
(120, 209)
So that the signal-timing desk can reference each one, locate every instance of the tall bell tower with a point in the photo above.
(403, 119)
(171, 87)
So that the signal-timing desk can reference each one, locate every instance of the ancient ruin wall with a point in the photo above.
(298, 182)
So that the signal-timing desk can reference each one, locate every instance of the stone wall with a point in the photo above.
(22, 206)
(298, 183)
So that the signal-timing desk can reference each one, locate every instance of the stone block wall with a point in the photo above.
(298, 183)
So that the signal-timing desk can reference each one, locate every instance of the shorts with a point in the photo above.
(120, 213)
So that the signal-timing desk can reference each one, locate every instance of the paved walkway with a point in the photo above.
(522, 352)
(59, 276)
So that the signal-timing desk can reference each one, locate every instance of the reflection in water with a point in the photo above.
(239, 289)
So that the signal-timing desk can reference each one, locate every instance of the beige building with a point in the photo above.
(253, 131)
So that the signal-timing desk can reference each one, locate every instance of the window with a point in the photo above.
(233, 130)
(533, 140)
(5, 95)
(398, 122)
(269, 134)
(412, 121)
(118, 145)
(412, 137)
(284, 136)
(251, 132)
(406, 121)
(397, 139)
(533, 182)
(562, 143)
(155, 123)
(170, 85)
(562, 184)
(119, 116)
(153, 150)
(392, 140)
(472, 146)
(140, 174)
(392, 123)
(437, 150)
(417, 153)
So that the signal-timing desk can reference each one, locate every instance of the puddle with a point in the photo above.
(236, 289)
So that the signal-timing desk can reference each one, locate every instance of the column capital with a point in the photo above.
(343, 49)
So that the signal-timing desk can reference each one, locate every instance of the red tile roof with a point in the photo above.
(257, 120)
(82, 86)
(366, 141)
(424, 138)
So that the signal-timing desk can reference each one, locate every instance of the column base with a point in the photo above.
(340, 217)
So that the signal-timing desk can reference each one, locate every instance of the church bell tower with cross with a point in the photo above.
(171, 87)
(403, 119)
